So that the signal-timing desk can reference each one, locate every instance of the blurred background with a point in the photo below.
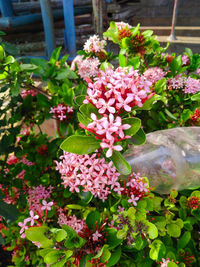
(36, 27)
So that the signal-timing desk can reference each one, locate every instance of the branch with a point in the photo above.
(37, 89)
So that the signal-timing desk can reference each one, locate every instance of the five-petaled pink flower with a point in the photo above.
(96, 235)
(32, 218)
(46, 206)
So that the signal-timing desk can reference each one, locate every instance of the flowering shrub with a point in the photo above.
(82, 205)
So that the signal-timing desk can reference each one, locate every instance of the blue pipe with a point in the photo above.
(9, 22)
(6, 8)
(47, 18)
(69, 33)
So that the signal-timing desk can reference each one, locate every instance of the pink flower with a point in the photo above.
(154, 74)
(177, 82)
(110, 147)
(46, 206)
(23, 228)
(96, 235)
(102, 105)
(121, 25)
(32, 218)
(198, 71)
(94, 45)
(25, 93)
(37, 244)
(185, 60)
(164, 262)
(62, 112)
(12, 160)
(192, 86)
(133, 200)
(88, 67)
(90, 172)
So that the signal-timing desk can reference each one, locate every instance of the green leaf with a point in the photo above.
(1, 53)
(135, 62)
(80, 145)
(139, 138)
(135, 125)
(115, 257)
(111, 237)
(135, 30)
(79, 99)
(173, 230)
(37, 234)
(196, 97)
(9, 212)
(122, 60)
(53, 256)
(160, 86)
(172, 264)
(86, 196)
(9, 60)
(87, 109)
(83, 119)
(105, 255)
(170, 115)
(93, 219)
(120, 163)
(152, 230)
(61, 235)
(112, 32)
(184, 240)
(186, 115)
(157, 250)
(55, 55)
(149, 102)
(27, 67)
(189, 52)
(147, 33)
(66, 74)
(175, 65)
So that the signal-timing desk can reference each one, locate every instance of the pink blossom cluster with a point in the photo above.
(177, 82)
(192, 86)
(62, 112)
(185, 60)
(94, 45)
(154, 74)
(71, 221)
(109, 130)
(25, 93)
(198, 71)
(91, 173)
(88, 67)
(115, 91)
(121, 25)
(136, 188)
(35, 195)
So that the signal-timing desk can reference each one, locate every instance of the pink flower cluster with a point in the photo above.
(94, 45)
(154, 74)
(35, 195)
(89, 172)
(192, 86)
(25, 93)
(121, 25)
(62, 112)
(189, 85)
(88, 67)
(185, 60)
(115, 91)
(177, 82)
(136, 188)
(109, 130)
(71, 221)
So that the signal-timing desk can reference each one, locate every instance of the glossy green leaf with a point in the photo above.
(37, 234)
(184, 240)
(120, 163)
(93, 219)
(115, 257)
(173, 230)
(135, 125)
(139, 138)
(61, 235)
(80, 145)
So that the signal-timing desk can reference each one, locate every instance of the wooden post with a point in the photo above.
(98, 16)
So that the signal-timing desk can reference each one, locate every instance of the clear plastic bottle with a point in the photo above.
(170, 159)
